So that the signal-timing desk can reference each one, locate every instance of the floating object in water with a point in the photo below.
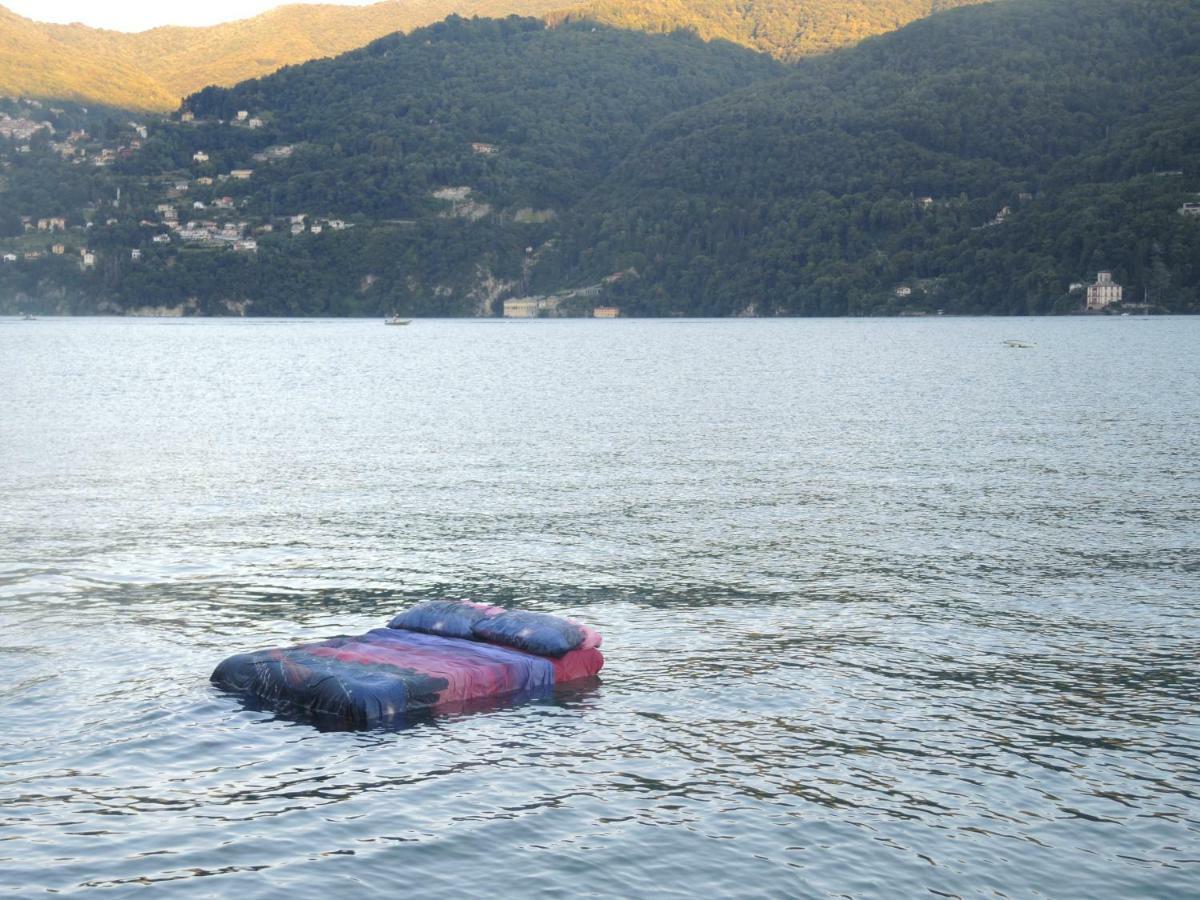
(1017, 344)
(396, 320)
(436, 655)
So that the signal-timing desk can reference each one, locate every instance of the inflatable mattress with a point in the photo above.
(438, 655)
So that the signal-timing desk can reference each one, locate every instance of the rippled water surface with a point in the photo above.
(890, 609)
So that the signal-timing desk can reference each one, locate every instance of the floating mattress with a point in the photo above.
(461, 653)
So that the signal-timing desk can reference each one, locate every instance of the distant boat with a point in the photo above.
(1020, 344)
(29, 317)
(396, 320)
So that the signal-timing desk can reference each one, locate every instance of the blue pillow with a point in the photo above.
(448, 618)
(529, 631)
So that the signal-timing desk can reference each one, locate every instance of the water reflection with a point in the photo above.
(569, 696)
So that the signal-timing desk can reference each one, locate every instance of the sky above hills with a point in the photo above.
(138, 15)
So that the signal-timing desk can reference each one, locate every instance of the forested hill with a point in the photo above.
(786, 29)
(989, 159)
(982, 160)
(425, 173)
(151, 70)
(34, 64)
(522, 114)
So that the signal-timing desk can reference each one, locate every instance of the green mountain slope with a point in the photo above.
(808, 195)
(183, 60)
(980, 161)
(33, 63)
(384, 126)
(151, 70)
(449, 152)
(787, 29)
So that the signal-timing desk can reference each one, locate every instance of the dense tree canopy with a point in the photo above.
(982, 161)
(888, 166)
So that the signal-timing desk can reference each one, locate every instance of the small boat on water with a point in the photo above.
(396, 320)
(1017, 344)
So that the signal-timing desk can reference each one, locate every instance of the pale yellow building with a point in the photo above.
(1104, 292)
(530, 307)
(606, 312)
(521, 308)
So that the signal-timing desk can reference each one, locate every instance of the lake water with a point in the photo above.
(890, 609)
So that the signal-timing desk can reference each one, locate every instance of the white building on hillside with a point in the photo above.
(1104, 292)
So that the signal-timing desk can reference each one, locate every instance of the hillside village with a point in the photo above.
(187, 209)
(132, 220)
(399, 179)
